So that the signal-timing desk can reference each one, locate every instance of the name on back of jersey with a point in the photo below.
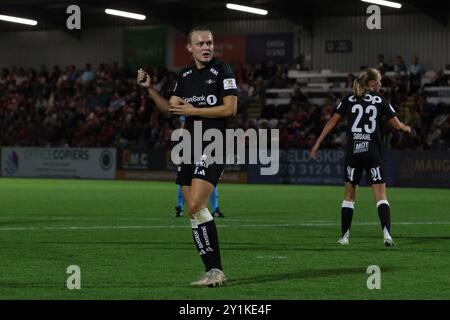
(362, 136)
(361, 143)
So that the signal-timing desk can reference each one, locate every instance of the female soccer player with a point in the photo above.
(364, 110)
(205, 93)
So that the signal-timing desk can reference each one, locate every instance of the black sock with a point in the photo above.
(346, 217)
(208, 233)
(200, 246)
(384, 212)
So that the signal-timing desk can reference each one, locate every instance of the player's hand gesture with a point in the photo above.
(143, 78)
(182, 108)
(407, 129)
(313, 152)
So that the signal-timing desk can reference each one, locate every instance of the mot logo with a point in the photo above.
(360, 147)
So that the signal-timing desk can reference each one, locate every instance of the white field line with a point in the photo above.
(285, 225)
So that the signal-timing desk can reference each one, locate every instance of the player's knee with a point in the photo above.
(350, 198)
(195, 205)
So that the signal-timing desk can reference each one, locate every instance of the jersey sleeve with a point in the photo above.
(388, 109)
(227, 85)
(177, 89)
(342, 107)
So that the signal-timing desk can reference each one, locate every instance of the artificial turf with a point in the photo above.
(277, 242)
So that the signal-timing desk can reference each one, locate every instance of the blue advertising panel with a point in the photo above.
(296, 167)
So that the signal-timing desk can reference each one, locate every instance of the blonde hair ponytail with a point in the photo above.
(361, 84)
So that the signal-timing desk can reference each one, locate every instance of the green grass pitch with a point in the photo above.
(277, 242)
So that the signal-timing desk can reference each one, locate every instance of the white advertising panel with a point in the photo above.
(85, 163)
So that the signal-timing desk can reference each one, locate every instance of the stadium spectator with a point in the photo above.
(415, 72)
(381, 65)
(439, 80)
(350, 80)
(398, 91)
(386, 81)
(87, 75)
(399, 65)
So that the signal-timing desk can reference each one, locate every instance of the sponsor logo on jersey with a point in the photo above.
(229, 84)
(211, 99)
(367, 98)
(210, 81)
(214, 71)
(187, 73)
(199, 172)
(195, 99)
(201, 163)
(360, 147)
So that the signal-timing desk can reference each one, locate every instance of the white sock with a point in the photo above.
(346, 235)
(203, 216)
(194, 223)
(348, 204)
(386, 234)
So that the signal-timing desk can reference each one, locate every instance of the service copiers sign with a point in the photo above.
(87, 163)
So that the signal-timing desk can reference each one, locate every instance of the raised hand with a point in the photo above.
(143, 78)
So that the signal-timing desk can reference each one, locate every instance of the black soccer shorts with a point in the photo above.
(200, 170)
(354, 167)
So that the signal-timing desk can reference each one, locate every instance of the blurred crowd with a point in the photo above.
(104, 107)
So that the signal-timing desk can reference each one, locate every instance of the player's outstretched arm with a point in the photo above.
(397, 124)
(326, 130)
(227, 109)
(144, 80)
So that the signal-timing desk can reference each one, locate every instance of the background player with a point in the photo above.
(364, 110)
(206, 93)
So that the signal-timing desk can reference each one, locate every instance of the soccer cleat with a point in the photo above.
(212, 278)
(179, 212)
(388, 242)
(218, 214)
(344, 241)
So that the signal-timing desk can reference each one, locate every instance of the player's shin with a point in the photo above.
(384, 212)
(198, 242)
(346, 218)
(208, 233)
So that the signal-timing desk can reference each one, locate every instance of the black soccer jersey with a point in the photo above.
(364, 123)
(205, 88)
